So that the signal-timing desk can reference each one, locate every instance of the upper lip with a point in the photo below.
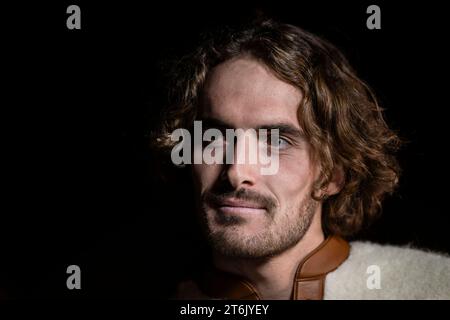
(233, 202)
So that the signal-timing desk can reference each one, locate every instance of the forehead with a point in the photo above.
(245, 93)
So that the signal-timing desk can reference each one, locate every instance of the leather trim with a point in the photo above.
(309, 280)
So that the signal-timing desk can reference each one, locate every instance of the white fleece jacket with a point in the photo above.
(404, 273)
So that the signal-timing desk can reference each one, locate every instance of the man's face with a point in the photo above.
(247, 214)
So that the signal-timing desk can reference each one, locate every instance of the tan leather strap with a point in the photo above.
(311, 272)
(308, 282)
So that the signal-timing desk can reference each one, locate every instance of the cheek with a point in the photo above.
(294, 178)
(205, 175)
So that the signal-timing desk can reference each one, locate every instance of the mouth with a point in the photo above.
(239, 207)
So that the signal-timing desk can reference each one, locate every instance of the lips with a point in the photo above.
(232, 202)
(238, 206)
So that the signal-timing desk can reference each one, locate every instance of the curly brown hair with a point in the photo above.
(339, 113)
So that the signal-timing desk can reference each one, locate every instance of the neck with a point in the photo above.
(273, 277)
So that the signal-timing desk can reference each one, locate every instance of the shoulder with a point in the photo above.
(374, 271)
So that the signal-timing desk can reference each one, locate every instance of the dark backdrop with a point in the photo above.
(79, 181)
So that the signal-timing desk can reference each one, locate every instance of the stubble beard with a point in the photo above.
(282, 231)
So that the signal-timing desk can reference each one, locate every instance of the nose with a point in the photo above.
(242, 172)
(241, 175)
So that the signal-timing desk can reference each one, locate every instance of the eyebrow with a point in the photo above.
(284, 128)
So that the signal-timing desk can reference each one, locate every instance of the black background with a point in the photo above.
(79, 181)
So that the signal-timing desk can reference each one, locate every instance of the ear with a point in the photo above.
(337, 181)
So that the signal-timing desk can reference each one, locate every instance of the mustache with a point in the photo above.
(242, 194)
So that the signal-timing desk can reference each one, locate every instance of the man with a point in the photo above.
(281, 236)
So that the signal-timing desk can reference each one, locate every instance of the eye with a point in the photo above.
(281, 143)
(278, 142)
